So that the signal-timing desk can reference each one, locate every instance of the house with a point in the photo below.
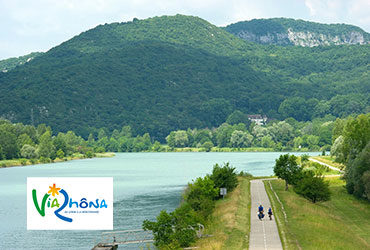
(258, 119)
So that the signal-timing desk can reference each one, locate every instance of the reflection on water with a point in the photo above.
(144, 184)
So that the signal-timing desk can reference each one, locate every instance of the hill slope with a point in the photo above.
(11, 63)
(285, 31)
(175, 72)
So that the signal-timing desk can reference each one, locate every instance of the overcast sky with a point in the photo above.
(38, 25)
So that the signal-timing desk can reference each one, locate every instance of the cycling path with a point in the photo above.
(264, 234)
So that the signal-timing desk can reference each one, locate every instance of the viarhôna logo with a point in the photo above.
(59, 203)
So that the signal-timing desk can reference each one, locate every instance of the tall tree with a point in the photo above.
(286, 168)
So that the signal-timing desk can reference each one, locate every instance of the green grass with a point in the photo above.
(341, 223)
(329, 160)
(230, 222)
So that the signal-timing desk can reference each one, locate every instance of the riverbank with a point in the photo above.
(230, 221)
(25, 162)
(340, 223)
(166, 148)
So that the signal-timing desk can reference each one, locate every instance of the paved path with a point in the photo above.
(327, 165)
(264, 234)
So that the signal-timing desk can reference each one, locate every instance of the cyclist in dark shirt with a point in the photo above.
(270, 213)
(260, 212)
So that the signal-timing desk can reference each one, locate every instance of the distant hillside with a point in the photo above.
(11, 63)
(174, 72)
(285, 31)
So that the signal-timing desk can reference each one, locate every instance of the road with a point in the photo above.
(264, 234)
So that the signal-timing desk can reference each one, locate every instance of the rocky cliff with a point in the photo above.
(283, 31)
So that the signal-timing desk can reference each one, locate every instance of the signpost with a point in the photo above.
(223, 192)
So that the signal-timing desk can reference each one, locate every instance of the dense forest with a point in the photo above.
(177, 72)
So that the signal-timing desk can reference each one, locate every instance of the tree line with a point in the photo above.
(351, 146)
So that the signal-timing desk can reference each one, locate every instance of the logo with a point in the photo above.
(70, 203)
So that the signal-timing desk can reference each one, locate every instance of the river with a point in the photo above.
(144, 184)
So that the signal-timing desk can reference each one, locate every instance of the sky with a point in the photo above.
(38, 25)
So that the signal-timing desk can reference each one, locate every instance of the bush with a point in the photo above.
(100, 149)
(245, 174)
(312, 187)
(45, 159)
(224, 177)
(89, 154)
(174, 230)
(200, 195)
(208, 145)
(60, 154)
(23, 162)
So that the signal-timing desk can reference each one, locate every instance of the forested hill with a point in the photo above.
(11, 63)
(286, 31)
(172, 72)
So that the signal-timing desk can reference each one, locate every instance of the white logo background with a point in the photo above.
(76, 188)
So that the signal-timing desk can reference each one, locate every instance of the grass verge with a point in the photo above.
(341, 223)
(230, 222)
(329, 160)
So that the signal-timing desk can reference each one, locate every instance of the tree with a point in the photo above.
(286, 168)
(313, 188)
(238, 117)
(337, 149)
(356, 173)
(224, 177)
(208, 145)
(24, 139)
(29, 152)
(177, 139)
(162, 228)
(223, 134)
(281, 132)
(46, 148)
(240, 139)
(356, 135)
(8, 142)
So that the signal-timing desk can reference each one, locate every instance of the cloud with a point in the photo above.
(354, 12)
(38, 25)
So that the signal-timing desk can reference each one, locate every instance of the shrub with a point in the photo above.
(312, 187)
(224, 177)
(201, 194)
(23, 162)
(208, 145)
(45, 159)
(304, 157)
(60, 154)
(245, 174)
(174, 230)
(89, 154)
(100, 149)
(162, 228)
